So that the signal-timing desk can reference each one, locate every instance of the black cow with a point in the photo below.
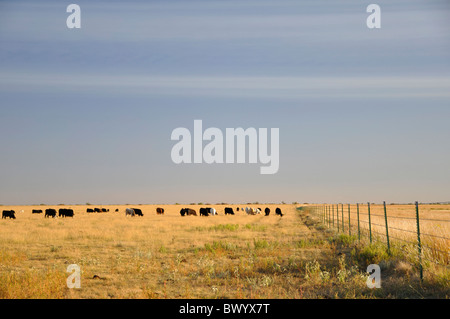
(89, 210)
(229, 211)
(104, 210)
(9, 213)
(183, 211)
(205, 211)
(160, 211)
(50, 213)
(97, 210)
(278, 212)
(267, 211)
(63, 212)
(138, 212)
(69, 213)
(117, 210)
(37, 211)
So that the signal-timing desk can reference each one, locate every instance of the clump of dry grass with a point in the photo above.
(33, 284)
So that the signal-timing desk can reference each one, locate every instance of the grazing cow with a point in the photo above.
(229, 211)
(37, 211)
(50, 212)
(97, 210)
(104, 210)
(9, 213)
(89, 210)
(252, 211)
(160, 211)
(267, 211)
(130, 211)
(237, 209)
(66, 212)
(204, 211)
(138, 212)
(191, 212)
(278, 212)
(117, 210)
(188, 212)
(213, 212)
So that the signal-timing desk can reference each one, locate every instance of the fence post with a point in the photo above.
(419, 243)
(322, 215)
(342, 212)
(370, 224)
(324, 210)
(359, 229)
(387, 228)
(329, 216)
(349, 224)
(332, 214)
(337, 217)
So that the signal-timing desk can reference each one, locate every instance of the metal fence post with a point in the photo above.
(332, 215)
(349, 224)
(337, 217)
(370, 224)
(324, 209)
(387, 228)
(329, 216)
(419, 243)
(359, 229)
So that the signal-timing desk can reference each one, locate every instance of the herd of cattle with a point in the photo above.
(132, 212)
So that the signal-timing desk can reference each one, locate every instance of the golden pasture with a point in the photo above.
(169, 256)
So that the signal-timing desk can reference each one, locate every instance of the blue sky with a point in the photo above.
(86, 115)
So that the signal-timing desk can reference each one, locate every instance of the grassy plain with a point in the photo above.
(170, 256)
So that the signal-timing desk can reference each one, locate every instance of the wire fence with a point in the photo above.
(398, 227)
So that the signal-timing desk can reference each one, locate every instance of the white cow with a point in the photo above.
(213, 212)
(130, 212)
(252, 211)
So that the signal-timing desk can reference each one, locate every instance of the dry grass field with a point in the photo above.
(169, 256)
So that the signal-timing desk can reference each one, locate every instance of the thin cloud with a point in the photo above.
(256, 87)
